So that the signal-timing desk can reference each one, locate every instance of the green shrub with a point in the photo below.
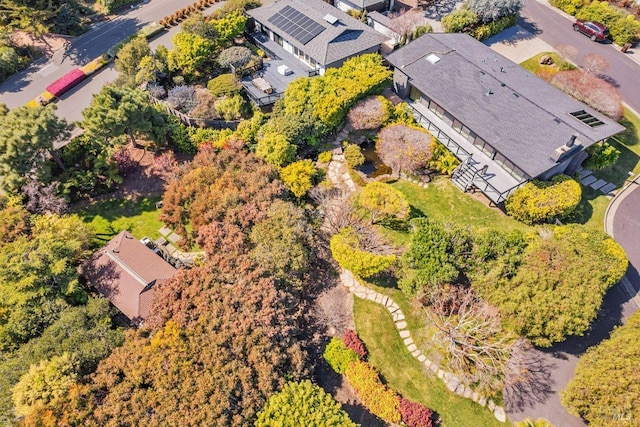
(569, 6)
(483, 32)
(606, 385)
(622, 26)
(542, 201)
(224, 84)
(345, 248)
(443, 160)
(324, 157)
(338, 355)
(558, 288)
(302, 404)
(459, 20)
(601, 156)
(353, 155)
(378, 398)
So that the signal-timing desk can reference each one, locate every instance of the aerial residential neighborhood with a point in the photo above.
(320, 213)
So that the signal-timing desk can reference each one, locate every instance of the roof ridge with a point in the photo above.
(110, 253)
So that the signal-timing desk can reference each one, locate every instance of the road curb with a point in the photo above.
(608, 228)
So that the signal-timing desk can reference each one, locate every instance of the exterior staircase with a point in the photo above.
(464, 175)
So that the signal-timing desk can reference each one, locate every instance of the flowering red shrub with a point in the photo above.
(414, 414)
(66, 82)
(351, 340)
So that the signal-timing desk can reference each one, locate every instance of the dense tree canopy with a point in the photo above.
(606, 386)
(27, 135)
(226, 339)
(115, 112)
(38, 276)
(189, 54)
(302, 404)
(231, 186)
(551, 297)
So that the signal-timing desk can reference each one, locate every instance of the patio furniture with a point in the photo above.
(262, 84)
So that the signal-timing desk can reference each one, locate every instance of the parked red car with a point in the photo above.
(594, 30)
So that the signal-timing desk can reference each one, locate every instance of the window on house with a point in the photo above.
(438, 110)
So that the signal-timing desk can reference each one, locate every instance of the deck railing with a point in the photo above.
(479, 182)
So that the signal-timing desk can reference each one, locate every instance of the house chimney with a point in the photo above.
(571, 141)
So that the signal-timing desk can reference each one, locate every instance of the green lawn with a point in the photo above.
(533, 64)
(444, 202)
(109, 217)
(400, 370)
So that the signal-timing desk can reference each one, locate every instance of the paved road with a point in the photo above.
(556, 29)
(26, 85)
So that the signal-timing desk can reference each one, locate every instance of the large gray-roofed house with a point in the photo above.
(315, 32)
(486, 108)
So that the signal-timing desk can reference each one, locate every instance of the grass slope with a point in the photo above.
(109, 217)
(400, 370)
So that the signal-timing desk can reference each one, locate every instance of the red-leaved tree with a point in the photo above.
(370, 113)
(592, 90)
(404, 148)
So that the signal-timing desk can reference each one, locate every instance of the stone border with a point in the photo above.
(452, 382)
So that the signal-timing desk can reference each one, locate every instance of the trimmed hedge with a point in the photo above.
(224, 84)
(377, 397)
(338, 355)
(352, 341)
(542, 201)
(414, 414)
(66, 82)
(484, 31)
(345, 250)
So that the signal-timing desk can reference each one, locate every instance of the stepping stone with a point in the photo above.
(467, 393)
(608, 188)
(170, 248)
(460, 389)
(491, 405)
(598, 184)
(500, 414)
(422, 358)
(482, 401)
(408, 340)
(398, 316)
(165, 231)
(388, 303)
(585, 173)
(588, 180)
(475, 396)
(440, 373)
(434, 368)
(405, 334)
(412, 347)
(453, 384)
(416, 353)
(401, 325)
(173, 237)
(384, 300)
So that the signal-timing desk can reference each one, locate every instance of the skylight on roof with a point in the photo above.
(432, 58)
(330, 18)
(587, 118)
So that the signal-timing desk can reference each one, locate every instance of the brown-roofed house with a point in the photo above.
(125, 271)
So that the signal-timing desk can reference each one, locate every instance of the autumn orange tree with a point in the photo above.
(231, 186)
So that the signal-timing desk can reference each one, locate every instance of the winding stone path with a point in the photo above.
(339, 176)
(452, 382)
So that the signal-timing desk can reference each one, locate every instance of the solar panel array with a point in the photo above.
(297, 25)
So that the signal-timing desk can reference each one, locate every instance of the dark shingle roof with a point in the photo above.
(346, 38)
(125, 271)
(521, 115)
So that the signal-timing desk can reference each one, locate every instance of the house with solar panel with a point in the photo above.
(505, 124)
(302, 38)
